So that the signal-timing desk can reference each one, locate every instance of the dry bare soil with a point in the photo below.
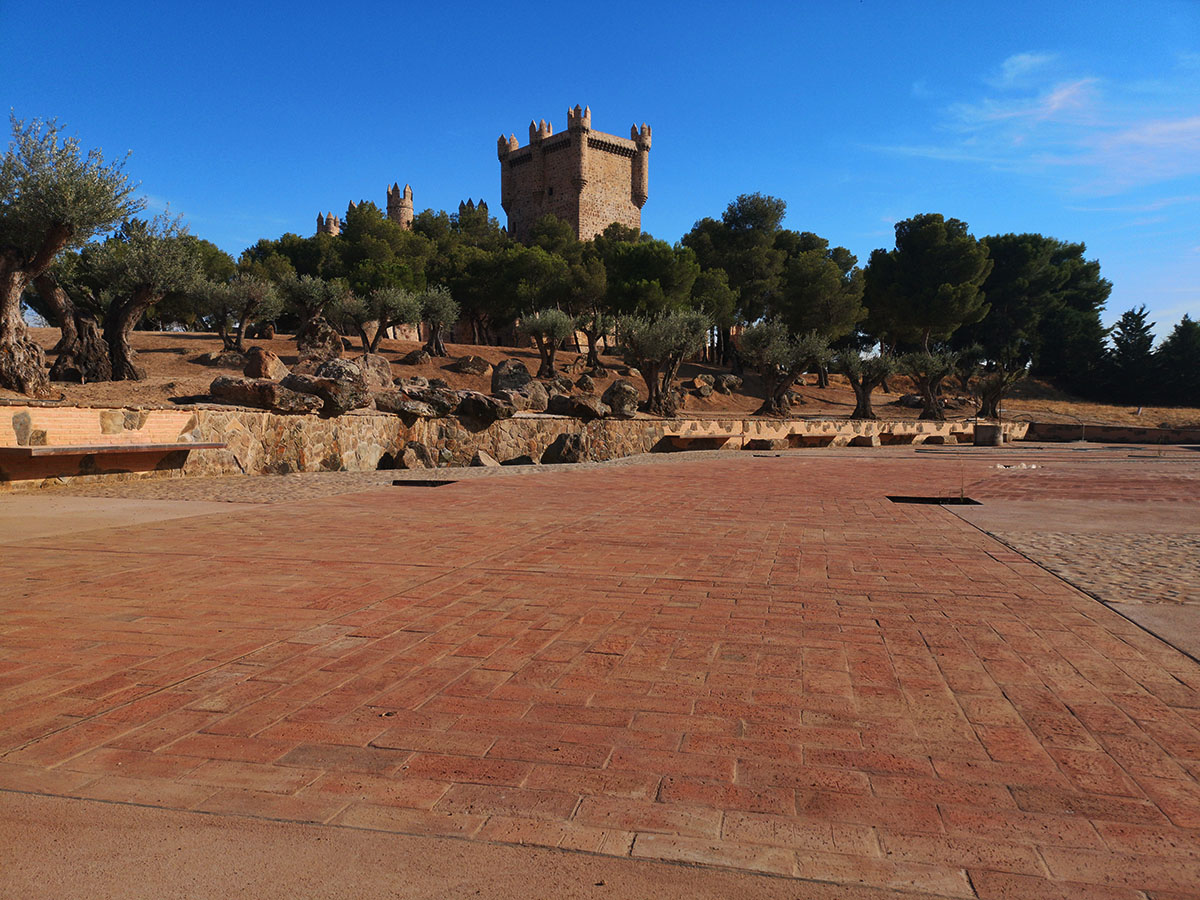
(176, 376)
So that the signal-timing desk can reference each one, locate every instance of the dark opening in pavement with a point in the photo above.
(936, 501)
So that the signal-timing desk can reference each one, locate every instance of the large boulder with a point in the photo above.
(589, 406)
(262, 363)
(376, 370)
(318, 343)
(263, 393)
(622, 399)
(442, 401)
(567, 448)
(515, 399)
(418, 357)
(339, 382)
(702, 380)
(586, 383)
(400, 403)
(482, 408)
(560, 384)
(471, 365)
(727, 384)
(510, 374)
(224, 359)
(559, 405)
(535, 394)
(702, 390)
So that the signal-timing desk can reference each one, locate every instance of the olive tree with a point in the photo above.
(657, 346)
(780, 358)
(864, 375)
(138, 266)
(231, 306)
(548, 328)
(308, 297)
(439, 311)
(928, 369)
(385, 308)
(53, 196)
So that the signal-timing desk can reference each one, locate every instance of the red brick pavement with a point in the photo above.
(758, 663)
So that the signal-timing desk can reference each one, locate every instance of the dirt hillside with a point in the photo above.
(175, 376)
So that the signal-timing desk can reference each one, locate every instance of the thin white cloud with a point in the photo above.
(1019, 67)
(1072, 101)
(1092, 136)
(1152, 206)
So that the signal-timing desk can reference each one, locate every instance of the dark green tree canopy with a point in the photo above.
(746, 244)
(822, 289)
(1178, 364)
(1130, 362)
(1071, 334)
(930, 285)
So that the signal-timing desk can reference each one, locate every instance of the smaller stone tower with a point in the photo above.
(329, 224)
(400, 206)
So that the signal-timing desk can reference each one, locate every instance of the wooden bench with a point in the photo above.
(39, 462)
(105, 449)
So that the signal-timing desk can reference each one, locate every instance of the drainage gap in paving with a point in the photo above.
(937, 501)
(422, 482)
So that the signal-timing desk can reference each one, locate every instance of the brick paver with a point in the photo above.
(758, 663)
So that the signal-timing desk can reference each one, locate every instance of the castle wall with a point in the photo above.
(606, 198)
(540, 182)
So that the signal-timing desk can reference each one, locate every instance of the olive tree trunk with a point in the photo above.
(60, 304)
(435, 346)
(862, 398)
(123, 314)
(22, 361)
(547, 350)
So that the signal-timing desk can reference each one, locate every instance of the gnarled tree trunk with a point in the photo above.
(86, 360)
(22, 362)
(60, 304)
(862, 398)
(593, 354)
(435, 346)
(122, 315)
(547, 350)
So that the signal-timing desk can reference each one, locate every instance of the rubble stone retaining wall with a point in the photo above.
(259, 443)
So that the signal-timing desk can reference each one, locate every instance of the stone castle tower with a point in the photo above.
(329, 224)
(587, 178)
(399, 210)
(400, 206)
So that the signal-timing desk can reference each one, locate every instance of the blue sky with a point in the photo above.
(1077, 120)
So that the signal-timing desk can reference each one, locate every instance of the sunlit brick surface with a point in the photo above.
(758, 663)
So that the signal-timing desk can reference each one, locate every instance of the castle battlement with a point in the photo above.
(587, 178)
